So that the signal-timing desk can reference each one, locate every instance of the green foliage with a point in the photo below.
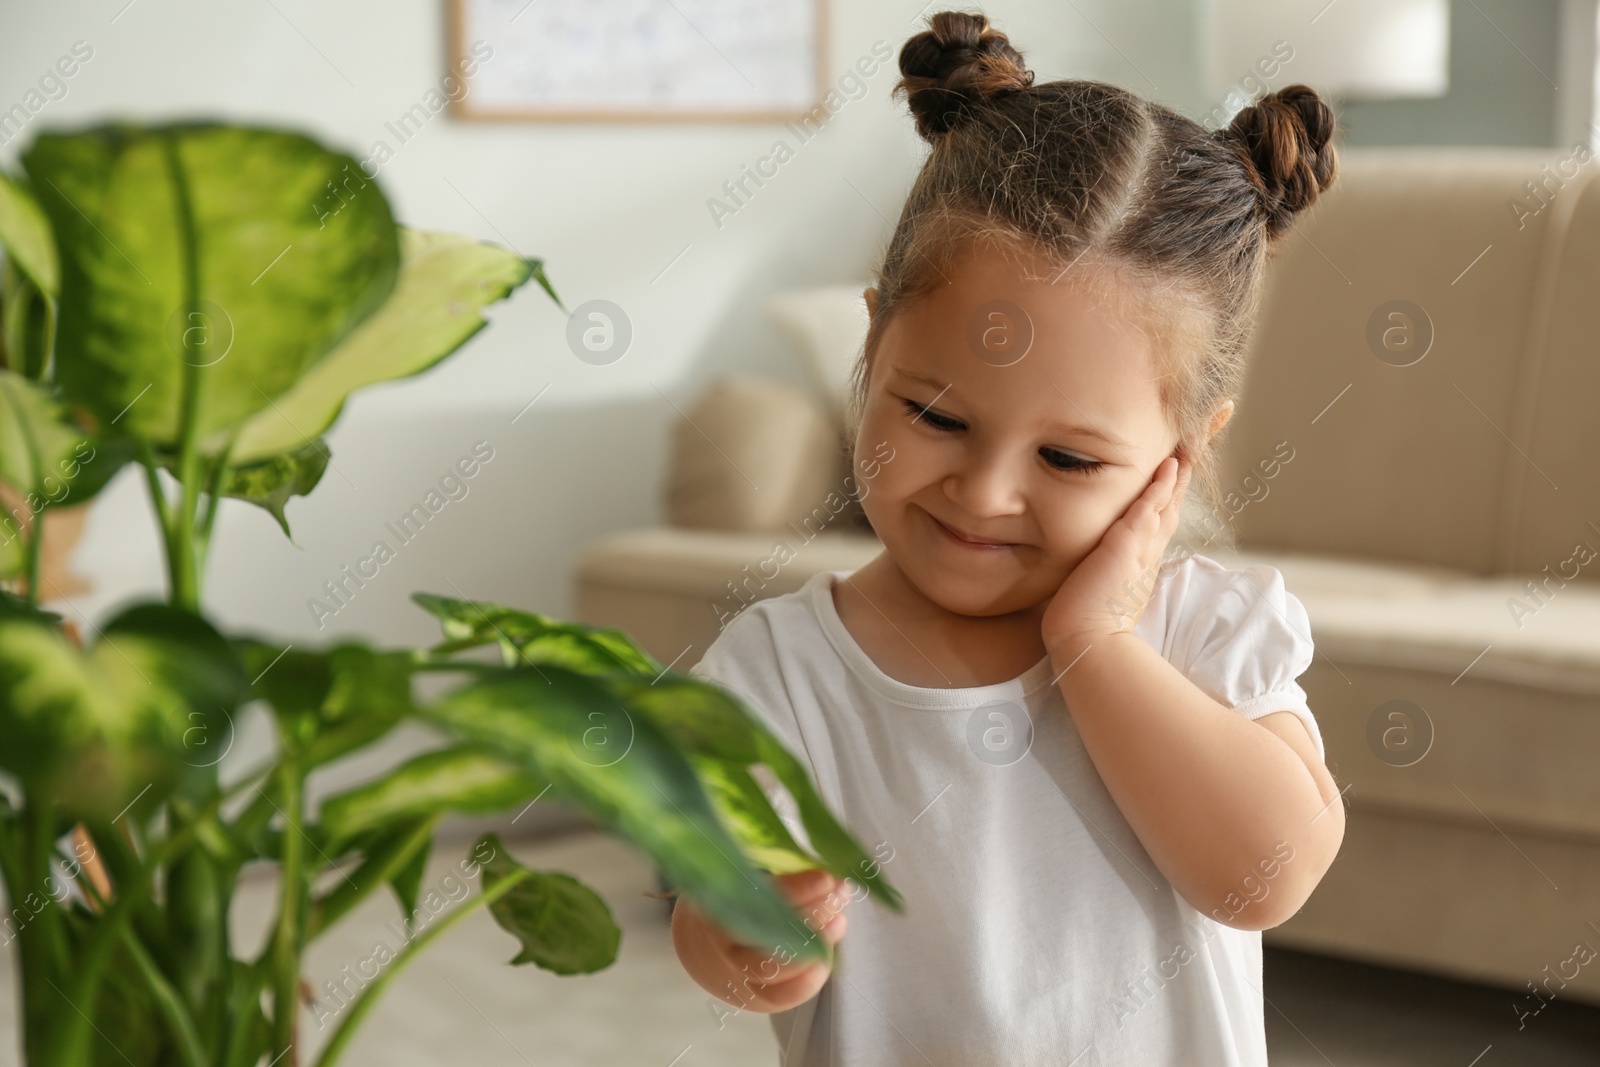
(202, 299)
(445, 282)
(46, 460)
(563, 925)
(144, 298)
(25, 235)
(525, 637)
(461, 778)
(86, 729)
(269, 483)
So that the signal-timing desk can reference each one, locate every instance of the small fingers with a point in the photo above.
(805, 887)
(818, 896)
(773, 967)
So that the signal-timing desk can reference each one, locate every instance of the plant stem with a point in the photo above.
(41, 960)
(71, 1034)
(35, 532)
(32, 547)
(243, 1046)
(330, 908)
(219, 475)
(51, 314)
(158, 496)
(369, 995)
(185, 591)
(288, 939)
(167, 1000)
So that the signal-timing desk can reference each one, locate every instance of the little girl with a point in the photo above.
(1084, 760)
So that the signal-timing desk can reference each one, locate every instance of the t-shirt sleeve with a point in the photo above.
(1249, 642)
(742, 660)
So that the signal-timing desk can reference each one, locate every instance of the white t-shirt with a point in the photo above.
(1037, 930)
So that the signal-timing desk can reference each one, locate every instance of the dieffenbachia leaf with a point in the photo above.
(539, 638)
(628, 774)
(270, 483)
(445, 282)
(33, 435)
(195, 252)
(564, 926)
(707, 722)
(25, 236)
(25, 323)
(460, 779)
(329, 701)
(90, 729)
(29, 279)
(395, 853)
(726, 738)
(45, 460)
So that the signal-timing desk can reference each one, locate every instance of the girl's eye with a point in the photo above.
(938, 422)
(1071, 463)
(1059, 460)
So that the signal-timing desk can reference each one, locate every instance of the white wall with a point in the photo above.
(607, 205)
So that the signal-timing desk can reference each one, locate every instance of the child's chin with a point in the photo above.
(967, 594)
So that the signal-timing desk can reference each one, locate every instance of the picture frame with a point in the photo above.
(637, 60)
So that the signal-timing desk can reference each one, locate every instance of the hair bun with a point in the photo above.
(1286, 138)
(957, 62)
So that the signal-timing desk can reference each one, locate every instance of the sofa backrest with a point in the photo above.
(1480, 454)
(1559, 424)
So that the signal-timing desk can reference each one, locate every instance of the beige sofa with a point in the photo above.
(1423, 500)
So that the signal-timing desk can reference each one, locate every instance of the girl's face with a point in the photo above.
(1041, 453)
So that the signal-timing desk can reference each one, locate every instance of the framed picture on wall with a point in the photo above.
(637, 60)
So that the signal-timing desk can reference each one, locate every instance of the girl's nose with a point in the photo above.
(986, 485)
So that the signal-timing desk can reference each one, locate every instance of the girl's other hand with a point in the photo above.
(1108, 590)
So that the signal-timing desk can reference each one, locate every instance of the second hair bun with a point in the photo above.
(1286, 135)
(959, 60)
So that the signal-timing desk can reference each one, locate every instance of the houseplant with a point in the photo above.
(199, 299)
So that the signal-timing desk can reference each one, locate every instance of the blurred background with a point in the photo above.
(655, 214)
(619, 212)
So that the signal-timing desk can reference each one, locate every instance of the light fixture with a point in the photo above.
(1355, 49)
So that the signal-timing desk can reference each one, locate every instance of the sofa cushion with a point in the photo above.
(828, 325)
(752, 455)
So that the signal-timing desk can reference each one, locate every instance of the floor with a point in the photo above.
(460, 1003)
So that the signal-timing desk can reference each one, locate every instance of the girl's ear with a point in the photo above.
(1220, 418)
(871, 295)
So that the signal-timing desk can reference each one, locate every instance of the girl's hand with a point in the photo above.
(1106, 593)
(818, 896)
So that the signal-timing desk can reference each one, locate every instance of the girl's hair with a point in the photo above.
(1071, 171)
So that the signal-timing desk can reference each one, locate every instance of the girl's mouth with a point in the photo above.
(958, 539)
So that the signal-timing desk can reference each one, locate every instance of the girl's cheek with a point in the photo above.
(1073, 524)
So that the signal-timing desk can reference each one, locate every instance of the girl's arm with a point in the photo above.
(1240, 815)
